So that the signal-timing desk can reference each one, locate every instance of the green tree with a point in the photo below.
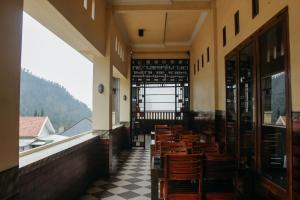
(56, 102)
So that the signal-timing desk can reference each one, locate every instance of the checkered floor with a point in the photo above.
(132, 181)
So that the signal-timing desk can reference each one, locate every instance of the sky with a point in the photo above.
(47, 56)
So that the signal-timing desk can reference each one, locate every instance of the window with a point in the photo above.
(85, 4)
(116, 101)
(160, 99)
(159, 88)
(207, 54)
(194, 69)
(198, 65)
(116, 44)
(273, 100)
(231, 104)
(121, 52)
(237, 22)
(255, 8)
(258, 111)
(247, 110)
(224, 36)
(202, 60)
(93, 9)
(123, 56)
(51, 97)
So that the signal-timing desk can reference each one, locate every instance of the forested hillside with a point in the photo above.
(44, 98)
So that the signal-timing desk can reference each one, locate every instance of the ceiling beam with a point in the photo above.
(175, 6)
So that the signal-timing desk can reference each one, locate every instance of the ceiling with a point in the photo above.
(135, 2)
(171, 23)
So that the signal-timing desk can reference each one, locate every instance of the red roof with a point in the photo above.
(30, 126)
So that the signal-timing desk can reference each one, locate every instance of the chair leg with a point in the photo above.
(161, 189)
(165, 190)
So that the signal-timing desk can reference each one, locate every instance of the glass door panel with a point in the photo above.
(231, 108)
(246, 107)
(273, 100)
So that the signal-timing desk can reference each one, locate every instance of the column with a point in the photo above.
(102, 102)
(10, 65)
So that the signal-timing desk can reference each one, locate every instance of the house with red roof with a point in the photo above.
(35, 132)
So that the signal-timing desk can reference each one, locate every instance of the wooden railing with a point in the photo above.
(159, 115)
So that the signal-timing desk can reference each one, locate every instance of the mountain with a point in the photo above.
(43, 97)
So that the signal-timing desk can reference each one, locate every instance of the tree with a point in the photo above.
(41, 97)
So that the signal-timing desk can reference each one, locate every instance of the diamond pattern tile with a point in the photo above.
(132, 181)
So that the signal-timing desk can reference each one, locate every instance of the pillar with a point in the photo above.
(10, 66)
(102, 102)
(125, 104)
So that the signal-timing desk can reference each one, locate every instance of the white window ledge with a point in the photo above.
(33, 155)
(39, 153)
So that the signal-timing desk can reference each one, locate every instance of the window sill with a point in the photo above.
(39, 153)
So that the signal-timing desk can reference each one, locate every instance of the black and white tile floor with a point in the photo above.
(132, 181)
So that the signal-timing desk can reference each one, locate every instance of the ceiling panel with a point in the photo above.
(181, 25)
(152, 22)
(178, 30)
(139, 2)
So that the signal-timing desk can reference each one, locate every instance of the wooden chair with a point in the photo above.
(161, 126)
(176, 126)
(178, 148)
(219, 177)
(182, 177)
(199, 147)
(161, 132)
(160, 138)
(168, 147)
(163, 137)
(189, 139)
(185, 132)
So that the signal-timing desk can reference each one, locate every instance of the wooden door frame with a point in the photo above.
(283, 17)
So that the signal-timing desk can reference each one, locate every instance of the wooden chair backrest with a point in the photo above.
(161, 126)
(176, 126)
(183, 167)
(161, 132)
(178, 148)
(185, 132)
(163, 137)
(172, 147)
(219, 167)
(190, 139)
(199, 147)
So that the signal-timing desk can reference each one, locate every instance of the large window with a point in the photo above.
(56, 88)
(159, 89)
(246, 106)
(273, 100)
(116, 101)
(160, 99)
(231, 104)
(258, 110)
